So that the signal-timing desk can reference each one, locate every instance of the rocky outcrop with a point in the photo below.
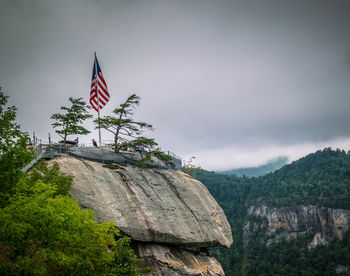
(324, 224)
(164, 208)
(107, 155)
(174, 261)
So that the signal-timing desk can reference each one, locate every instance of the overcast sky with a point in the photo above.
(234, 83)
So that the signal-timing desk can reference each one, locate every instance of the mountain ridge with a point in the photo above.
(256, 171)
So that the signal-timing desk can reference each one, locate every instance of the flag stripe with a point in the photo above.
(102, 87)
(101, 96)
(101, 78)
(93, 105)
(102, 102)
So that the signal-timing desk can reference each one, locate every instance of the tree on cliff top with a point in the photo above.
(70, 122)
(127, 132)
(122, 125)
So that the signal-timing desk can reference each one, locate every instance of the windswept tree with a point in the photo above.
(70, 122)
(127, 132)
(122, 125)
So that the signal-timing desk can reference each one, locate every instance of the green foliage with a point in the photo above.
(13, 149)
(127, 132)
(294, 258)
(321, 178)
(122, 125)
(189, 167)
(125, 261)
(70, 122)
(48, 175)
(167, 159)
(43, 231)
(146, 147)
(114, 166)
(9, 130)
(141, 143)
(45, 235)
(230, 192)
(147, 157)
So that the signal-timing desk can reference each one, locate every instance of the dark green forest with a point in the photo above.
(321, 178)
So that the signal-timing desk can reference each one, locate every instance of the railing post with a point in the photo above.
(40, 148)
(50, 148)
(102, 157)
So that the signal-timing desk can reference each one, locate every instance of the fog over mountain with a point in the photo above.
(270, 166)
(234, 83)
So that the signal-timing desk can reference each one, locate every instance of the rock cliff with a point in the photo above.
(324, 224)
(173, 260)
(169, 215)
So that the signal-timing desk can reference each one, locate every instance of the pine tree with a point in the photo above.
(70, 122)
(127, 133)
(122, 125)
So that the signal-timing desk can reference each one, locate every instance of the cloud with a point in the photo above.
(214, 76)
(239, 157)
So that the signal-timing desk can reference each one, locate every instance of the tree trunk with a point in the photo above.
(116, 147)
(65, 139)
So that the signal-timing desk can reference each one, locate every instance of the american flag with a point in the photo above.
(102, 98)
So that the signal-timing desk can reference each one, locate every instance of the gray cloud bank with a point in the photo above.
(232, 82)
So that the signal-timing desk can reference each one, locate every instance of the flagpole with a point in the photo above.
(98, 104)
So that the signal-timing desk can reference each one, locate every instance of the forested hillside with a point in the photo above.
(320, 179)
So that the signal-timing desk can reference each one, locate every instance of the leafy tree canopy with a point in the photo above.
(43, 231)
(13, 149)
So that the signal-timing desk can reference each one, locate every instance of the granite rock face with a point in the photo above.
(324, 224)
(150, 204)
(174, 261)
(170, 216)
